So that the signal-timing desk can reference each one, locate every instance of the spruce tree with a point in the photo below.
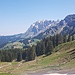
(43, 47)
(19, 56)
(49, 48)
(64, 39)
(33, 53)
(69, 38)
(54, 41)
(73, 37)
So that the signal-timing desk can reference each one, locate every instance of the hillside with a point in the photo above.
(13, 45)
(62, 58)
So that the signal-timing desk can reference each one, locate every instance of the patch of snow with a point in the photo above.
(39, 21)
(49, 25)
(33, 24)
(54, 74)
(36, 26)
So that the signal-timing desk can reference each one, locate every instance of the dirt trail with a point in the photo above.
(58, 72)
(5, 65)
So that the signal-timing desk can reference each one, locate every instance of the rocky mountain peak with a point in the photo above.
(39, 26)
(70, 20)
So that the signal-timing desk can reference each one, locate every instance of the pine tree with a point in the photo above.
(27, 55)
(43, 47)
(39, 49)
(19, 56)
(32, 53)
(49, 48)
(0, 56)
(73, 37)
(10, 57)
(54, 41)
(65, 39)
(24, 54)
(7, 58)
(59, 39)
(69, 38)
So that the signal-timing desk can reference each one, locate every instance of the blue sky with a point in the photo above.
(17, 15)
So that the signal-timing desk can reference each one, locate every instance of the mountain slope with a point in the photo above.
(9, 39)
(39, 27)
(65, 26)
(70, 27)
(56, 29)
(48, 27)
(42, 29)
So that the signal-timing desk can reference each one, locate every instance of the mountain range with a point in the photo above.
(39, 30)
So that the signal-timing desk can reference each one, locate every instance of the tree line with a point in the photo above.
(45, 47)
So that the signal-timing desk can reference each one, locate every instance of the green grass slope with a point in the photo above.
(63, 57)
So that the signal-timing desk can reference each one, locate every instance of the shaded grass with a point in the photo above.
(65, 46)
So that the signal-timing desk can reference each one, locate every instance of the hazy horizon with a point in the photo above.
(16, 16)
